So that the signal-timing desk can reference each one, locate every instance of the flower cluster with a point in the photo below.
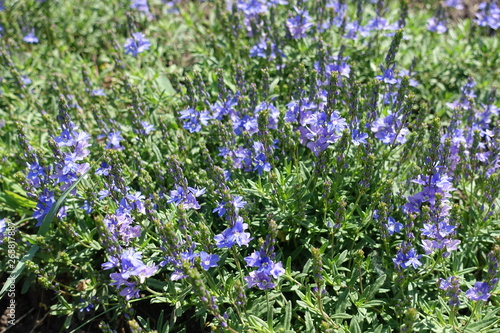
(141, 6)
(64, 173)
(207, 261)
(407, 256)
(253, 9)
(185, 196)
(461, 133)
(120, 226)
(457, 4)
(235, 204)
(266, 268)
(437, 23)
(390, 129)
(194, 119)
(438, 231)
(248, 159)
(451, 286)
(488, 15)
(67, 171)
(317, 129)
(482, 290)
(265, 48)
(234, 235)
(130, 268)
(299, 24)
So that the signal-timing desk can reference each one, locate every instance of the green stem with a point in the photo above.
(237, 261)
(431, 269)
(472, 314)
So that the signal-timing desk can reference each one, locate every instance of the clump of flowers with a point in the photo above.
(451, 286)
(317, 129)
(266, 268)
(131, 272)
(234, 235)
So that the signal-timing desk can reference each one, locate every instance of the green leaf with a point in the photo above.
(341, 316)
(354, 326)
(484, 324)
(16, 201)
(288, 315)
(258, 323)
(67, 321)
(372, 289)
(165, 85)
(309, 322)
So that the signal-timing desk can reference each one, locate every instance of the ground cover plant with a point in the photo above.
(250, 166)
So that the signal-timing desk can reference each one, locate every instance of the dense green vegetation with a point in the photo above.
(257, 166)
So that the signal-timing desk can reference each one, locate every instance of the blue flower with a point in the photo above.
(457, 4)
(36, 175)
(259, 259)
(358, 137)
(393, 226)
(480, 292)
(137, 201)
(252, 8)
(136, 44)
(434, 24)
(3, 227)
(44, 205)
(299, 24)
(98, 92)
(142, 6)
(388, 76)
(261, 164)
(245, 124)
(224, 107)
(412, 259)
(194, 119)
(26, 80)
(147, 127)
(488, 14)
(129, 264)
(104, 169)
(259, 279)
(451, 286)
(407, 256)
(186, 198)
(265, 49)
(264, 264)
(390, 129)
(208, 260)
(30, 37)
(234, 235)
(120, 225)
(87, 207)
(404, 72)
(238, 202)
(114, 139)
(221, 209)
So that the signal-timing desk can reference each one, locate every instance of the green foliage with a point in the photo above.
(325, 215)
